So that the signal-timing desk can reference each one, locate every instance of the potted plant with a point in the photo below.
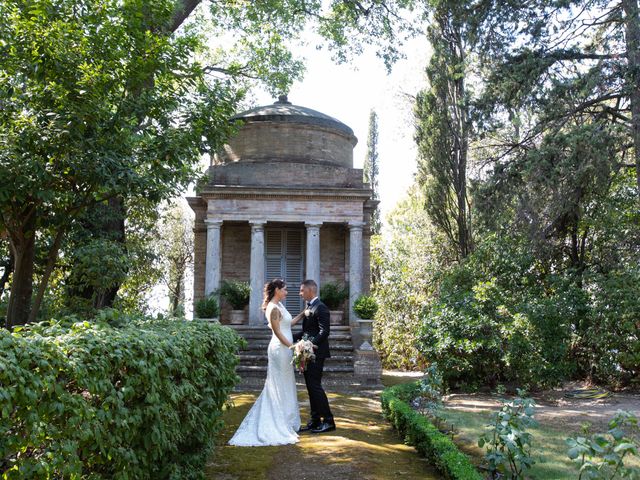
(207, 308)
(237, 294)
(365, 308)
(333, 296)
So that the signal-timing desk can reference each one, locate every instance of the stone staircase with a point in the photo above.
(338, 370)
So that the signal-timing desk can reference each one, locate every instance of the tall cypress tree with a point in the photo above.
(371, 168)
(443, 126)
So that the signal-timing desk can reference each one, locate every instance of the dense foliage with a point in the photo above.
(423, 435)
(406, 260)
(519, 262)
(497, 319)
(132, 398)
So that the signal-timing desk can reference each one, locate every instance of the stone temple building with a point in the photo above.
(283, 200)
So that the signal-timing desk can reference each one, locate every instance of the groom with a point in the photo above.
(316, 325)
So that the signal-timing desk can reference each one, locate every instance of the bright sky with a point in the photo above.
(349, 92)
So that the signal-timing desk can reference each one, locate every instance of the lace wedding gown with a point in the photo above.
(275, 418)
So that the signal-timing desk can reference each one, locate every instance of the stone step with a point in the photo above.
(254, 359)
(298, 326)
(243, 329)
(267, 336)
(261, 370)
(262, 346)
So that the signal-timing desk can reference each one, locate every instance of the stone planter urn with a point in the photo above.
(365, 332)
(336, 317)
(237, 317)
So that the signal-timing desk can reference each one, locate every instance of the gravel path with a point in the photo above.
(364, 446)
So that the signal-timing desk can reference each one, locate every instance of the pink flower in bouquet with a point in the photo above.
(303, 353)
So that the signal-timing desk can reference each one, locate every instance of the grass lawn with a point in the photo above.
(549, 447)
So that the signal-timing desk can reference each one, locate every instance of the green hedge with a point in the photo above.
(423, 435)
(87, 400)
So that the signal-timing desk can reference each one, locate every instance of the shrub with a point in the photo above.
(496, 319)
(424, 436)
(89, 400)
(333, 294)
(207, 307)
(602, 456)
(236, 293)
(429, 399)
(507, 442)
(609, 346)
(365, 307)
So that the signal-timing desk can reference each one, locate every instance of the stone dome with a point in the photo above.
(283, 132)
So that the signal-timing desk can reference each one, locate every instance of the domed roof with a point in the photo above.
(284, 111)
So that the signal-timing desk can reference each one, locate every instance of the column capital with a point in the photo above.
(213, 222)
(313, 224)
(356, 225)
(257, 224)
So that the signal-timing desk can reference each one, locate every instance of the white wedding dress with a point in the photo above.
(275, 417)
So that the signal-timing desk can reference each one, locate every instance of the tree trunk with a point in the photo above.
(175, 297)
(114, 228)
(461, 108)
(23, 250)
(51, 263)
(632, 36)
(8, 270)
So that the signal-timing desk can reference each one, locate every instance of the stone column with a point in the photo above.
(313, 252)
(213, 263)
(355, 268)
(256, 316)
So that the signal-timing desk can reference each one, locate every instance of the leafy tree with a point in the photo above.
(371, 169)
(174, 251)
(75, 129)
(562, 84)
(443, 126)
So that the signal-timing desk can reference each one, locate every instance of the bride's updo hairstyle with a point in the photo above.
(270, 290)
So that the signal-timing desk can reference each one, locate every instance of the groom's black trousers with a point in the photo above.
(317, 398)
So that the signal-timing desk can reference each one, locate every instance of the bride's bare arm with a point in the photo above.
(275, 326)
(297, 318)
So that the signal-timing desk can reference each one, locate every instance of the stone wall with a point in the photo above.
(287, 141)
(274, 173)
(332, 253)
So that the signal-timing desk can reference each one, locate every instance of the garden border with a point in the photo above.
(419, 432)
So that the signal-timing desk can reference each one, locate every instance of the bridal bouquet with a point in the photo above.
(303, 353)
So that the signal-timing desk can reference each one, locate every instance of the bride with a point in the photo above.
(275, 418)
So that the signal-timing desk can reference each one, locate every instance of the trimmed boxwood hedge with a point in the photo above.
(423, 435)
(89, 400)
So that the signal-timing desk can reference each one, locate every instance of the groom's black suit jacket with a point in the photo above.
(316, 325)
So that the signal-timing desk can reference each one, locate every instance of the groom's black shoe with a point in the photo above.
(309, 427)
(324, 427)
